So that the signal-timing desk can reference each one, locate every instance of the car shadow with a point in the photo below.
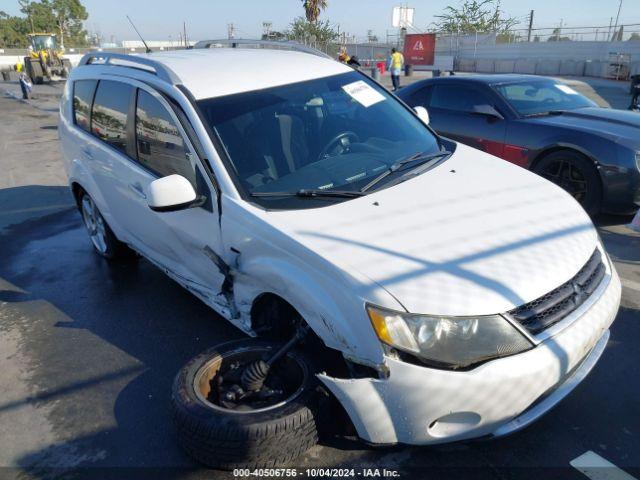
(106, 337)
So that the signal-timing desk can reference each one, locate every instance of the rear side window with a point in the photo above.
(457, 97)
(83, 91)
(159, 142)
(109, 115)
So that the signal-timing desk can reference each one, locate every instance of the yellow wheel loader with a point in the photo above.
(45, 58)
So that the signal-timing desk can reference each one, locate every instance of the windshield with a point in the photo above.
(332, 133)
(542, 96)
(44, 42)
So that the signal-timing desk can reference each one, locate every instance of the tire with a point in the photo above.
(227, 439)
(35, 71)
(102, 237)
(576, 174)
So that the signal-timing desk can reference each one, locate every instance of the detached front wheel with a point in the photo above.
(222, 425)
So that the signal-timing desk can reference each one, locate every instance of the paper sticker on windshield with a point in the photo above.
(363, 93)
(566, 89)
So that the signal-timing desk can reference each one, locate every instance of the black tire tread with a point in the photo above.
(34, 70)
(222, 440)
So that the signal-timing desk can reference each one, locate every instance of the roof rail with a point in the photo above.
(138, 62)
(267, 44)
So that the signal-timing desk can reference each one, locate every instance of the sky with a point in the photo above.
(159, 19)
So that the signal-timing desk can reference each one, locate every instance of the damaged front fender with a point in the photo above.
(337, 318)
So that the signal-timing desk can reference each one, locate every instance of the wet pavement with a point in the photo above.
(88, 351)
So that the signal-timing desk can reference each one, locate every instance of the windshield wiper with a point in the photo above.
(417, 158)
(545, 114)
(311, 193)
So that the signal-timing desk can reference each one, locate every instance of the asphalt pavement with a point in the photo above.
(88, 350)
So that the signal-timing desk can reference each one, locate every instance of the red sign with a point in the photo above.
(419, 49)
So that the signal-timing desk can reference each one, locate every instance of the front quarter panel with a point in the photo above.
(615, 162)
(331, 301)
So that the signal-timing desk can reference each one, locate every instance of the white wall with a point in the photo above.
(543, 58)
(10, 60)
(546, 50)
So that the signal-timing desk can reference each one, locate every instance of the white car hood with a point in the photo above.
(473, 236)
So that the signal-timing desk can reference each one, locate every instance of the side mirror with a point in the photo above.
(487, 111)
(172, 193)
(422, 114)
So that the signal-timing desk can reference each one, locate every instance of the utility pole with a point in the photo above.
(184, 28)
(559, 30)
(530, 26)
(615, 28)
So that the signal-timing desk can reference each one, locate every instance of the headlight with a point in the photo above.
(453, 342)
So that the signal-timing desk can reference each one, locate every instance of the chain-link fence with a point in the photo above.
(453, 41)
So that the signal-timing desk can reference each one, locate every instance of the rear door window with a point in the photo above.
(83, 91)
(110, 112)
(159, 142)
(457, 98)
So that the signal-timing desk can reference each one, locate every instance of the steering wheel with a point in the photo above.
(339, 144)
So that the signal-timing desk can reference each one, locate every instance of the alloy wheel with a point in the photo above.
(567, 176)
(95, 224)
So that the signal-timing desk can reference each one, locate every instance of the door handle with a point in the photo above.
(137, 189)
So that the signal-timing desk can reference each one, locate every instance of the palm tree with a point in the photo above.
(313, 9)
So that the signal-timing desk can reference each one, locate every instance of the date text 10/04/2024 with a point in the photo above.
(317, 473)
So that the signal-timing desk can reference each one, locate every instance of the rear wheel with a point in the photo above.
(576, 174)
(102, 237)
(222, 426)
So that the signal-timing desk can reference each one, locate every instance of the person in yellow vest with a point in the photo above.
(395, 67)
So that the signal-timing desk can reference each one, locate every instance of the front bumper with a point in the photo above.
(419, 405)
(547, 402)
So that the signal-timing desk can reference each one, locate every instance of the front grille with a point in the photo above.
(549, 309)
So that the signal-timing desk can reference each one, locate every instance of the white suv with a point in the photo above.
(436, 292)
